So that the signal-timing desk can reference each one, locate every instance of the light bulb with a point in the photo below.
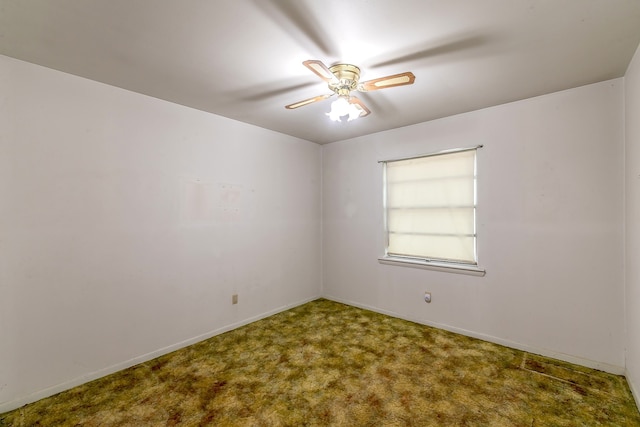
(354, 112)
(342, 107)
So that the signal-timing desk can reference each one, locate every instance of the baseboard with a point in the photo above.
(612, 369)
(634, 390)
(50, 391)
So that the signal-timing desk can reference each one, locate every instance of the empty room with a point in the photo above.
(305, 212)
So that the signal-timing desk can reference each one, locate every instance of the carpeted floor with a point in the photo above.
(325, 364)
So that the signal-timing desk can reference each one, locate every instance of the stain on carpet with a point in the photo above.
(583, 380)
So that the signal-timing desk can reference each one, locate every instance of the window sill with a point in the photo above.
(471, 270)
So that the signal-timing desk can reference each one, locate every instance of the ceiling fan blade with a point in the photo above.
(321, 70)
(449, 46)
(308, 101)
(389, 81)
(257, 93)
(365, 111)
(301, 22)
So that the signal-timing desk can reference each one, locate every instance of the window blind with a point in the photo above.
(430, 207)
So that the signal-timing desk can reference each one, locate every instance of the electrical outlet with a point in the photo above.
(427, 297)
(234, 299)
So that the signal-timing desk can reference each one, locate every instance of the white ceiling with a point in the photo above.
(242, 59)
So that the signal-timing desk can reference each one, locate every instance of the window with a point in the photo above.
(430, 210)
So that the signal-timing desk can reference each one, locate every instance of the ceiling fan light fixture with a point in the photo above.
(341, 107)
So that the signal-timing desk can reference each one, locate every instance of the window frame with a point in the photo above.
(454, 266)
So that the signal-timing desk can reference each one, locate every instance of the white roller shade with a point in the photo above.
(430, 207)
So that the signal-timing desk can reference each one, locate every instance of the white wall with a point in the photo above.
(127, 223)
(632, 222)
(550, 226)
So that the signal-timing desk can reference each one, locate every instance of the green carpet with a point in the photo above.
(324, 364)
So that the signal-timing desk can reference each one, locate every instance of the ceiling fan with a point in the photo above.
(343, 79)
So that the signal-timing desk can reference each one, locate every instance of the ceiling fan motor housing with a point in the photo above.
(348, 76)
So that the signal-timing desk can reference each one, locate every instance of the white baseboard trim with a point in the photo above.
(634, 390)
(612, 369)
(50, 391)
